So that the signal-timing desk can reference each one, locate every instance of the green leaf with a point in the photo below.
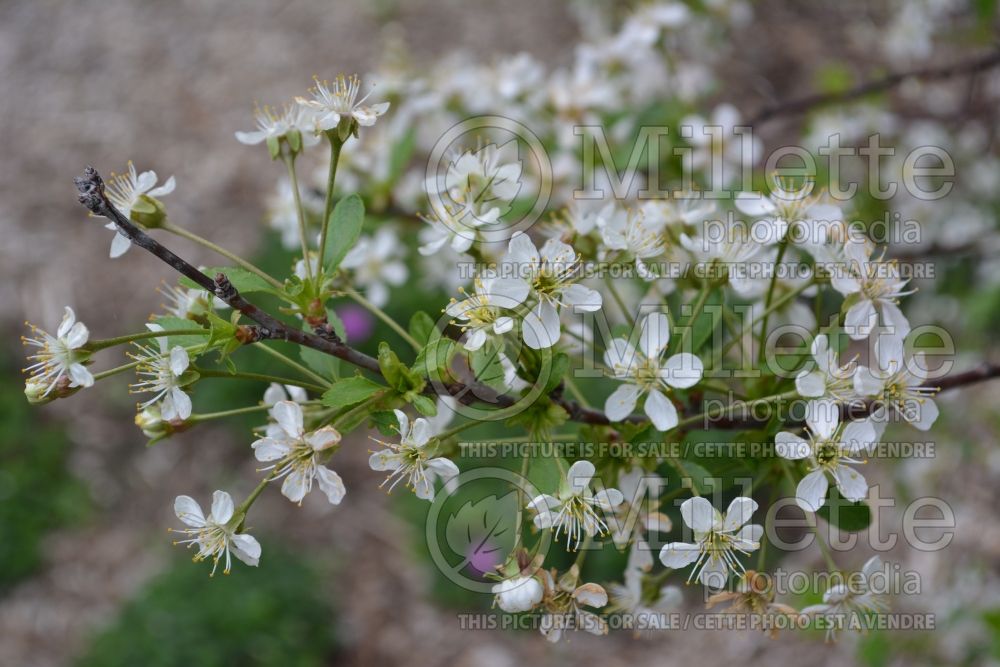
(350, 391)
(401, 153)
(545, 473)
(434, 360)
(421, 327)
(345, 228)
(425, 405)
(845, 515)
(392, 368)
(486, 366)
(701, 479)
(557, 370)
(244, 281)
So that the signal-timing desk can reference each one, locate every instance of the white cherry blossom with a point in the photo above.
(564, 602)
(829, 449)
(785, 208)
(717, 540)
(333, 101)
(631, 232)
(60, 357)
(274, 124)
(873, 289)
(551, 274)
(410, 459)
(576, 510)
(215, 535)
(646, 372)
(828, 379)
(125, 192)
(489, 311)
(162, 372)
(298, 456)
(897, 383)
(845, 601)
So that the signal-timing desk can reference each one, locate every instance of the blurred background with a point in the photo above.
(87, 574)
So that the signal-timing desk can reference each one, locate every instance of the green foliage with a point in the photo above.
(350, 391)
(848, 516)
(346, 221)
(272, 615)
(37, 492)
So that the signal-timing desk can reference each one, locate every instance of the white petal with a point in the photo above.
(68, 322)
(77, 336)
(682, 370)
(851, 483)
(591, 595)
(222, 507)
(178, 360)
(921, 414)
(748, 537)
(420, 434)
(331, 485)
(714, 572)
(655, 334)
(823, 417)
(581, 298)
(445, 469)
(609, 499)
(894, 320)
(247, 549)
(181, 402)
(189, 511)
(860, 319)
(753, 204)
(790, 446)
(323, 438)
(811, 384)
(119, 245)
(738, 513)
(296, 485)
(80, 376)
(288, 414)
(384, 460)
(579, 476)
(699, 514)
(269, 449)
(541, 326)
(661, 411)
(811, 491)
(676, 555)
(521, 251)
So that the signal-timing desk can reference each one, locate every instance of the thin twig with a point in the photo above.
(809, 102)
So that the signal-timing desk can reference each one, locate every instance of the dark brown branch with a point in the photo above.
(92, 195)
(91, 188)
(809, 102)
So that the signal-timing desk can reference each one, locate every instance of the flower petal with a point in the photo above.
(189, 511)
(811, 491)
(222, 507)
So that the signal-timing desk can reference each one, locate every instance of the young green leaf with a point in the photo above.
(345, 228)
(350, 391)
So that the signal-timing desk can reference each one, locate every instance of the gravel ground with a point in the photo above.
(100, 81)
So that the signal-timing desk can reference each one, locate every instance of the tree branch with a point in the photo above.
(92, 195)
(809, 102)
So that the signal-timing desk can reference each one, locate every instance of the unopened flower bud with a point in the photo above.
(518, 594)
